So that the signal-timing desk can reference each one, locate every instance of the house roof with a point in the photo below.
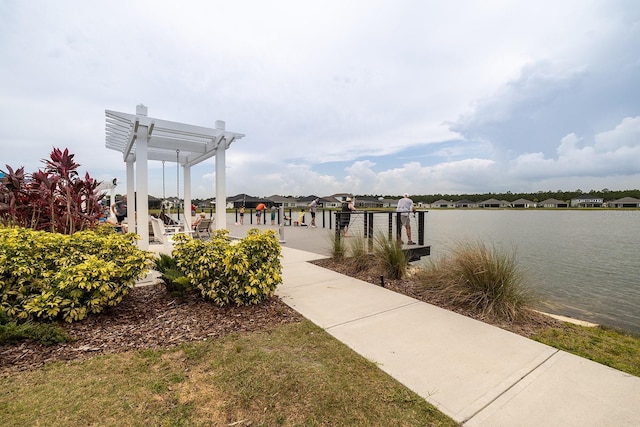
(587, 197)
(553, 201)
(492, 202)
(626, 200)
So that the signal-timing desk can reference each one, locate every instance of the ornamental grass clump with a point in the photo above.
(358, 256)
(390, 256)
(487, 281)
(337, 248)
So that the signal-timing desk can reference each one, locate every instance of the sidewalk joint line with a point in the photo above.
(509, 388)
(372, 314)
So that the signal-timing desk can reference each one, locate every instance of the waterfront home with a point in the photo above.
(245, 200)
(625, 202)
(442, 204)
(391, 203)
(554, 203)
(494, 203)
(331, 202)
(368, 203)
(287, 202)
(464, 203)
(523, 203)
(587, 201)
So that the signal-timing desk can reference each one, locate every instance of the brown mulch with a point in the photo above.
(149, 317)
(527, 325)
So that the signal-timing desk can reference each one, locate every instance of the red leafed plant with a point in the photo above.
(55, 199)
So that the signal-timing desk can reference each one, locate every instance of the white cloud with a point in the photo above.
(418, 96)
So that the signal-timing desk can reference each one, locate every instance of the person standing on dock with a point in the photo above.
(345, 215)
(313, 206)
(405, 207)
(259, 210)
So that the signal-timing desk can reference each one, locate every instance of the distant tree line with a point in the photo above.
(539, 196)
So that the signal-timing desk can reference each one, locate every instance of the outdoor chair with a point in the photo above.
(203, 228)
(160, 233)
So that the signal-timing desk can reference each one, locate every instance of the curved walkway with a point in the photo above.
(477, 374)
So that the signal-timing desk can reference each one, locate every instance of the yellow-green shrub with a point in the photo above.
(50, 275)
(244, 273)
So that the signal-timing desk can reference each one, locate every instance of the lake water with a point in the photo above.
(581, 263)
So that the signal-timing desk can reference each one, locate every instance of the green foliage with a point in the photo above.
(389, 254)
(487, 281)
(244, 273)
(175, 281)
(51, 276)
(47, 334)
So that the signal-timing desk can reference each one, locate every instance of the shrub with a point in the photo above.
(487, 281)
(50, 275)
(245, 273)
(12, 332)
(54, 199)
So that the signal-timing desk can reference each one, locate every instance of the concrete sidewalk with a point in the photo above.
(477, 374)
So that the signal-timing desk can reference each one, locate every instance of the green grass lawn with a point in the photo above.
(618, 350)
(292, 375)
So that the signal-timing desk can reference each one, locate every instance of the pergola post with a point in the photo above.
(221, 181)
(142, 185)
(130, 191)
(187, 196)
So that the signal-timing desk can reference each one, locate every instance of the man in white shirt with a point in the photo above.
(405, 206)
(312, 208)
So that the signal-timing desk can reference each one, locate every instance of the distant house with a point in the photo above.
(287, 202)
(249, 202)
(554, 203)
(523, 203)
(367, 203)
(331, 202)
(587, 201)
(341, 197)
(464, 203)
(625, 202)
(442, 204)
(389, 203)
(494, 203)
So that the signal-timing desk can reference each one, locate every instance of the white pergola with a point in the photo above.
(141, 138)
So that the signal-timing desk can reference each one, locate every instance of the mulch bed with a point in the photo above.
(149, 317)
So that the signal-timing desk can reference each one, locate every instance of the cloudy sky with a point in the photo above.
(367, 97)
